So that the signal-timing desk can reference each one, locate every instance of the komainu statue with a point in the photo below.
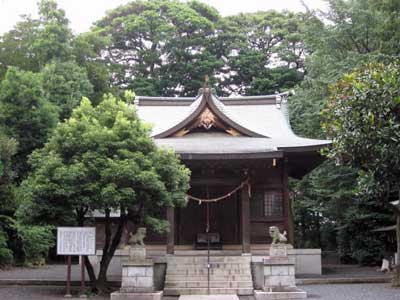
(137, 238)
(277, 237)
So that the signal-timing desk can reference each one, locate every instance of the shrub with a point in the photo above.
(36, 242)
(6, 256)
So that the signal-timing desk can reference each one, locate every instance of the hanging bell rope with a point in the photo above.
(200, 200)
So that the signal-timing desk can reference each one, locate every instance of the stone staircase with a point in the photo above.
(187, 275)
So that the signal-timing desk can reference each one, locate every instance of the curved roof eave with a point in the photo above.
(208, 99)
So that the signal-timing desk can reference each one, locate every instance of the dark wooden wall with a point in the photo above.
(225, 215)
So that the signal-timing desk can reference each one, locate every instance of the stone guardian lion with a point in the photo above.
(138, 237)
(277, 237)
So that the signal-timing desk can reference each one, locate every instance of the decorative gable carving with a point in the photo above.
(206, 119)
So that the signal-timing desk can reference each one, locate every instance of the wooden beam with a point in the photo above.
(245, 219)
(287, 205)
(171, 233)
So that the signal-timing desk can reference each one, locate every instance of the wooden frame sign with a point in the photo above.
(76, 240)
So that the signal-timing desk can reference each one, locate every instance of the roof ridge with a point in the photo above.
(228, 98)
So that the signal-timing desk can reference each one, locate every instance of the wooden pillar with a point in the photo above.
(287, 206)
(245, 219)
(171, 232)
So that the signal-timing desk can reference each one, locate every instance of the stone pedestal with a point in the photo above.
(137, 278)
(278, 250)
(279, 276)
(137, 253)
(278, 273)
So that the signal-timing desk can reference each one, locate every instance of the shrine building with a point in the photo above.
(241, 152)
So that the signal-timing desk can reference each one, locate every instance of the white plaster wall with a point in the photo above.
(308, 261)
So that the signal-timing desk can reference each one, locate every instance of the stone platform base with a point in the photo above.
(136, 296)
(209, 297)
(293, 294)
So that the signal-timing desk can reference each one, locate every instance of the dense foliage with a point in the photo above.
(102, 158)
(363, 119)
(163, 47)
(349, 35)
(166, 47)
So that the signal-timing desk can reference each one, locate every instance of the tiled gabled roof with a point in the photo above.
(262, 121)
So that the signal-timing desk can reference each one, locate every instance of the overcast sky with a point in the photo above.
(82, 13)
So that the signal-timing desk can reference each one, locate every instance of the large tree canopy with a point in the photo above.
(164, 47)
(103, 158)
(348, 35)
(161, 47)
(265, 52)
(25, 113)
(65, 83)
(363, 119)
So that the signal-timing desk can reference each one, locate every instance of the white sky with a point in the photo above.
(82, 13)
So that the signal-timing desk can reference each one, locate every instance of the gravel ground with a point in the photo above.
(37, 293)
(51, 272)
(47, 272)
(375, 291)
(321, 292)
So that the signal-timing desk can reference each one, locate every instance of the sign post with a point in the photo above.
(82, 276)
(68, 291)
(76, 241)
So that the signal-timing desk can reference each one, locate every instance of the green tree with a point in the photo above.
(65, 83)
(54, 36)
(160, 47)
(8, 148)
(266, 54)
(362, 117)
(25, 113)
(348, 35)
(16, 46)
(103, 158)
(320, 202)
(47, 44)
(87, 50)
(32, 43)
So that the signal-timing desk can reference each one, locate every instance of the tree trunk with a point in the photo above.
(303, 230)
(109, 249)
(92, 276)
(396, 276)
(110, 246)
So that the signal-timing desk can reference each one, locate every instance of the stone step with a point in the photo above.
(212, 265)
(204, 291)
(204, 284)
(213, 277)
(180, 253)
(203, 271)
(213, 259)
(228, 275)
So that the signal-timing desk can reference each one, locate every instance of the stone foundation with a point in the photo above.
(136, 296)
(278, 272)
(288, 294)
(137, 277)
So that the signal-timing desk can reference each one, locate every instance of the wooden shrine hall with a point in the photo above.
(241, 151)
